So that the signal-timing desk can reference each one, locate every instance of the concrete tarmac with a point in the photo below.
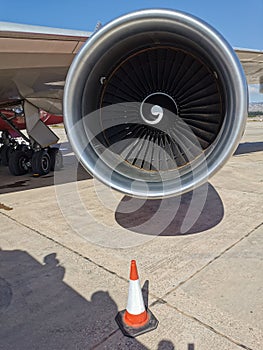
(66, 243)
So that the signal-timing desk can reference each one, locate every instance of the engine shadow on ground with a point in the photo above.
(249, 147)
(190, 213)
(10, 183)
(40, 311)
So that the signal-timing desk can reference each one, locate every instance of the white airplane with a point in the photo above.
(154, 102)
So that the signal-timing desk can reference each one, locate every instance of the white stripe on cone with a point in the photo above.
(135, 305)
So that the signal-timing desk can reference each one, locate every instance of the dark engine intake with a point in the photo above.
(155, 103)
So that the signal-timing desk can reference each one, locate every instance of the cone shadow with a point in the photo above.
(145, 293)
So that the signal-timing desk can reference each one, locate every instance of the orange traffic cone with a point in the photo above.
(135, 320)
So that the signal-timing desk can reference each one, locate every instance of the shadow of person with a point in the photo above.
(190, 213)
(40, 311)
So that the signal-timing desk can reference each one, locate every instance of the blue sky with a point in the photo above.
(240, 22)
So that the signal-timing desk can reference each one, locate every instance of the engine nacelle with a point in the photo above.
(155, 103)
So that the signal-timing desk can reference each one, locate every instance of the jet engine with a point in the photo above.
(155, 103)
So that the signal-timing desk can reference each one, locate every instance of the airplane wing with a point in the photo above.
(252, 62)
(34, 62)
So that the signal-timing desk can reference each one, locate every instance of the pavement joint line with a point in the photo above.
(213, 260)
(212, 329)
(105, 339)
(80, 255)
(158, 299)
(125, 279)
(65, 247)
(163, 301)
(73, 251)
(193, 318)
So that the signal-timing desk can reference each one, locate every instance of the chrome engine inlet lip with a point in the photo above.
(193, 30)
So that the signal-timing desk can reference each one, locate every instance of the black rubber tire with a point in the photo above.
(4, 154)
(56, 159)
(18, 162)
(41, 163)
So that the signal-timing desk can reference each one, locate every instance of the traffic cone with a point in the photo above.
(136, 319)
